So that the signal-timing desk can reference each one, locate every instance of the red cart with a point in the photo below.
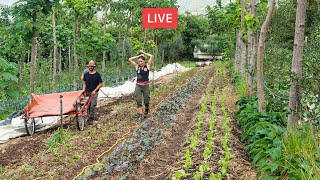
(66, 103)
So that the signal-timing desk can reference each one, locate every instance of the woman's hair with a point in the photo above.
(142, 57)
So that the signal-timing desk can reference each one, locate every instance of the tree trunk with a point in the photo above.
(60, 61)
(162, 57)
(33, 56)
(265, 25)
(119, 49)
(104, 19)
(29, 56)
(251, 51)
(51, 72)
(243, 49)
(230, 41)
(75, 52)
(237, 54)
(145, 38)
(54, 46)
(296, 68)
(243, 59)
(123, 53)
(69, 56)
(20, 60)
(36, 53)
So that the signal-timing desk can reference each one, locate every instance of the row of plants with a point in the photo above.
(148, 135)
(194, 138)
(276, 152)
(173, 84)
(218, 82)
(225, 161)
(207, 153)
(193, 142)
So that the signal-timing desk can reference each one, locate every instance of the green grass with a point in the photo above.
(300, 154)
(242, 87)
(2, 170)
(187, 64)
(60, 137)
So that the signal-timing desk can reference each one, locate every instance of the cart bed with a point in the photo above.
(49, 104)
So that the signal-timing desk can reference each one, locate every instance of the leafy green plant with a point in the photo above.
(300, 154)
(179, 174)
(188, 157)
(60, 137)
(215, 176)
(276, 155)
(202, 169)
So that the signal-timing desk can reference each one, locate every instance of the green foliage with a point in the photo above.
(215, 176)
(60, 137)
(249, 115)
(300, 154)
(262, 136)
(240, 82)
(197, 27)
(188, 157)
(8, 72)
(276, 153)
(224, 20)
(212, 43)
(251, 22)
(202, 169)
(179, 174)
(2, 170)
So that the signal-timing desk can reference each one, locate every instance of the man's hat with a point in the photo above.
(91, 63)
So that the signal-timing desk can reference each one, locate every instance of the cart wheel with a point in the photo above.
(81, 119)
(30, 126)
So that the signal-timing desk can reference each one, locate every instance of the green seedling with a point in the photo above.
(179, 174)
(188, 156)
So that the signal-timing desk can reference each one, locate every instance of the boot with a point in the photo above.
(146, 112)
(90, 121)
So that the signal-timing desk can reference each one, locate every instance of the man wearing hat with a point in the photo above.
(92, 82)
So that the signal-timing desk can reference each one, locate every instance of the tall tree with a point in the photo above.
(251, 45)
(243, 46)
(104, 20)
(82, 9)
(237, 58)
(262, 37)
(54, 45)
(29, 9)
(296, 68)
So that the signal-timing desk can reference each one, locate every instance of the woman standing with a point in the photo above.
(142, 86)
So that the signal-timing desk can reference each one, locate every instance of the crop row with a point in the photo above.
(225, 161)
(194, 138)
(149, 134)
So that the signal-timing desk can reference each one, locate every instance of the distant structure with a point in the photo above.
(198, 7)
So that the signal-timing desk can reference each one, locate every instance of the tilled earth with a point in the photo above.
(30, 158)
(168, 157)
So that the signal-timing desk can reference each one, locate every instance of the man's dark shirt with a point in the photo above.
(92, 81)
